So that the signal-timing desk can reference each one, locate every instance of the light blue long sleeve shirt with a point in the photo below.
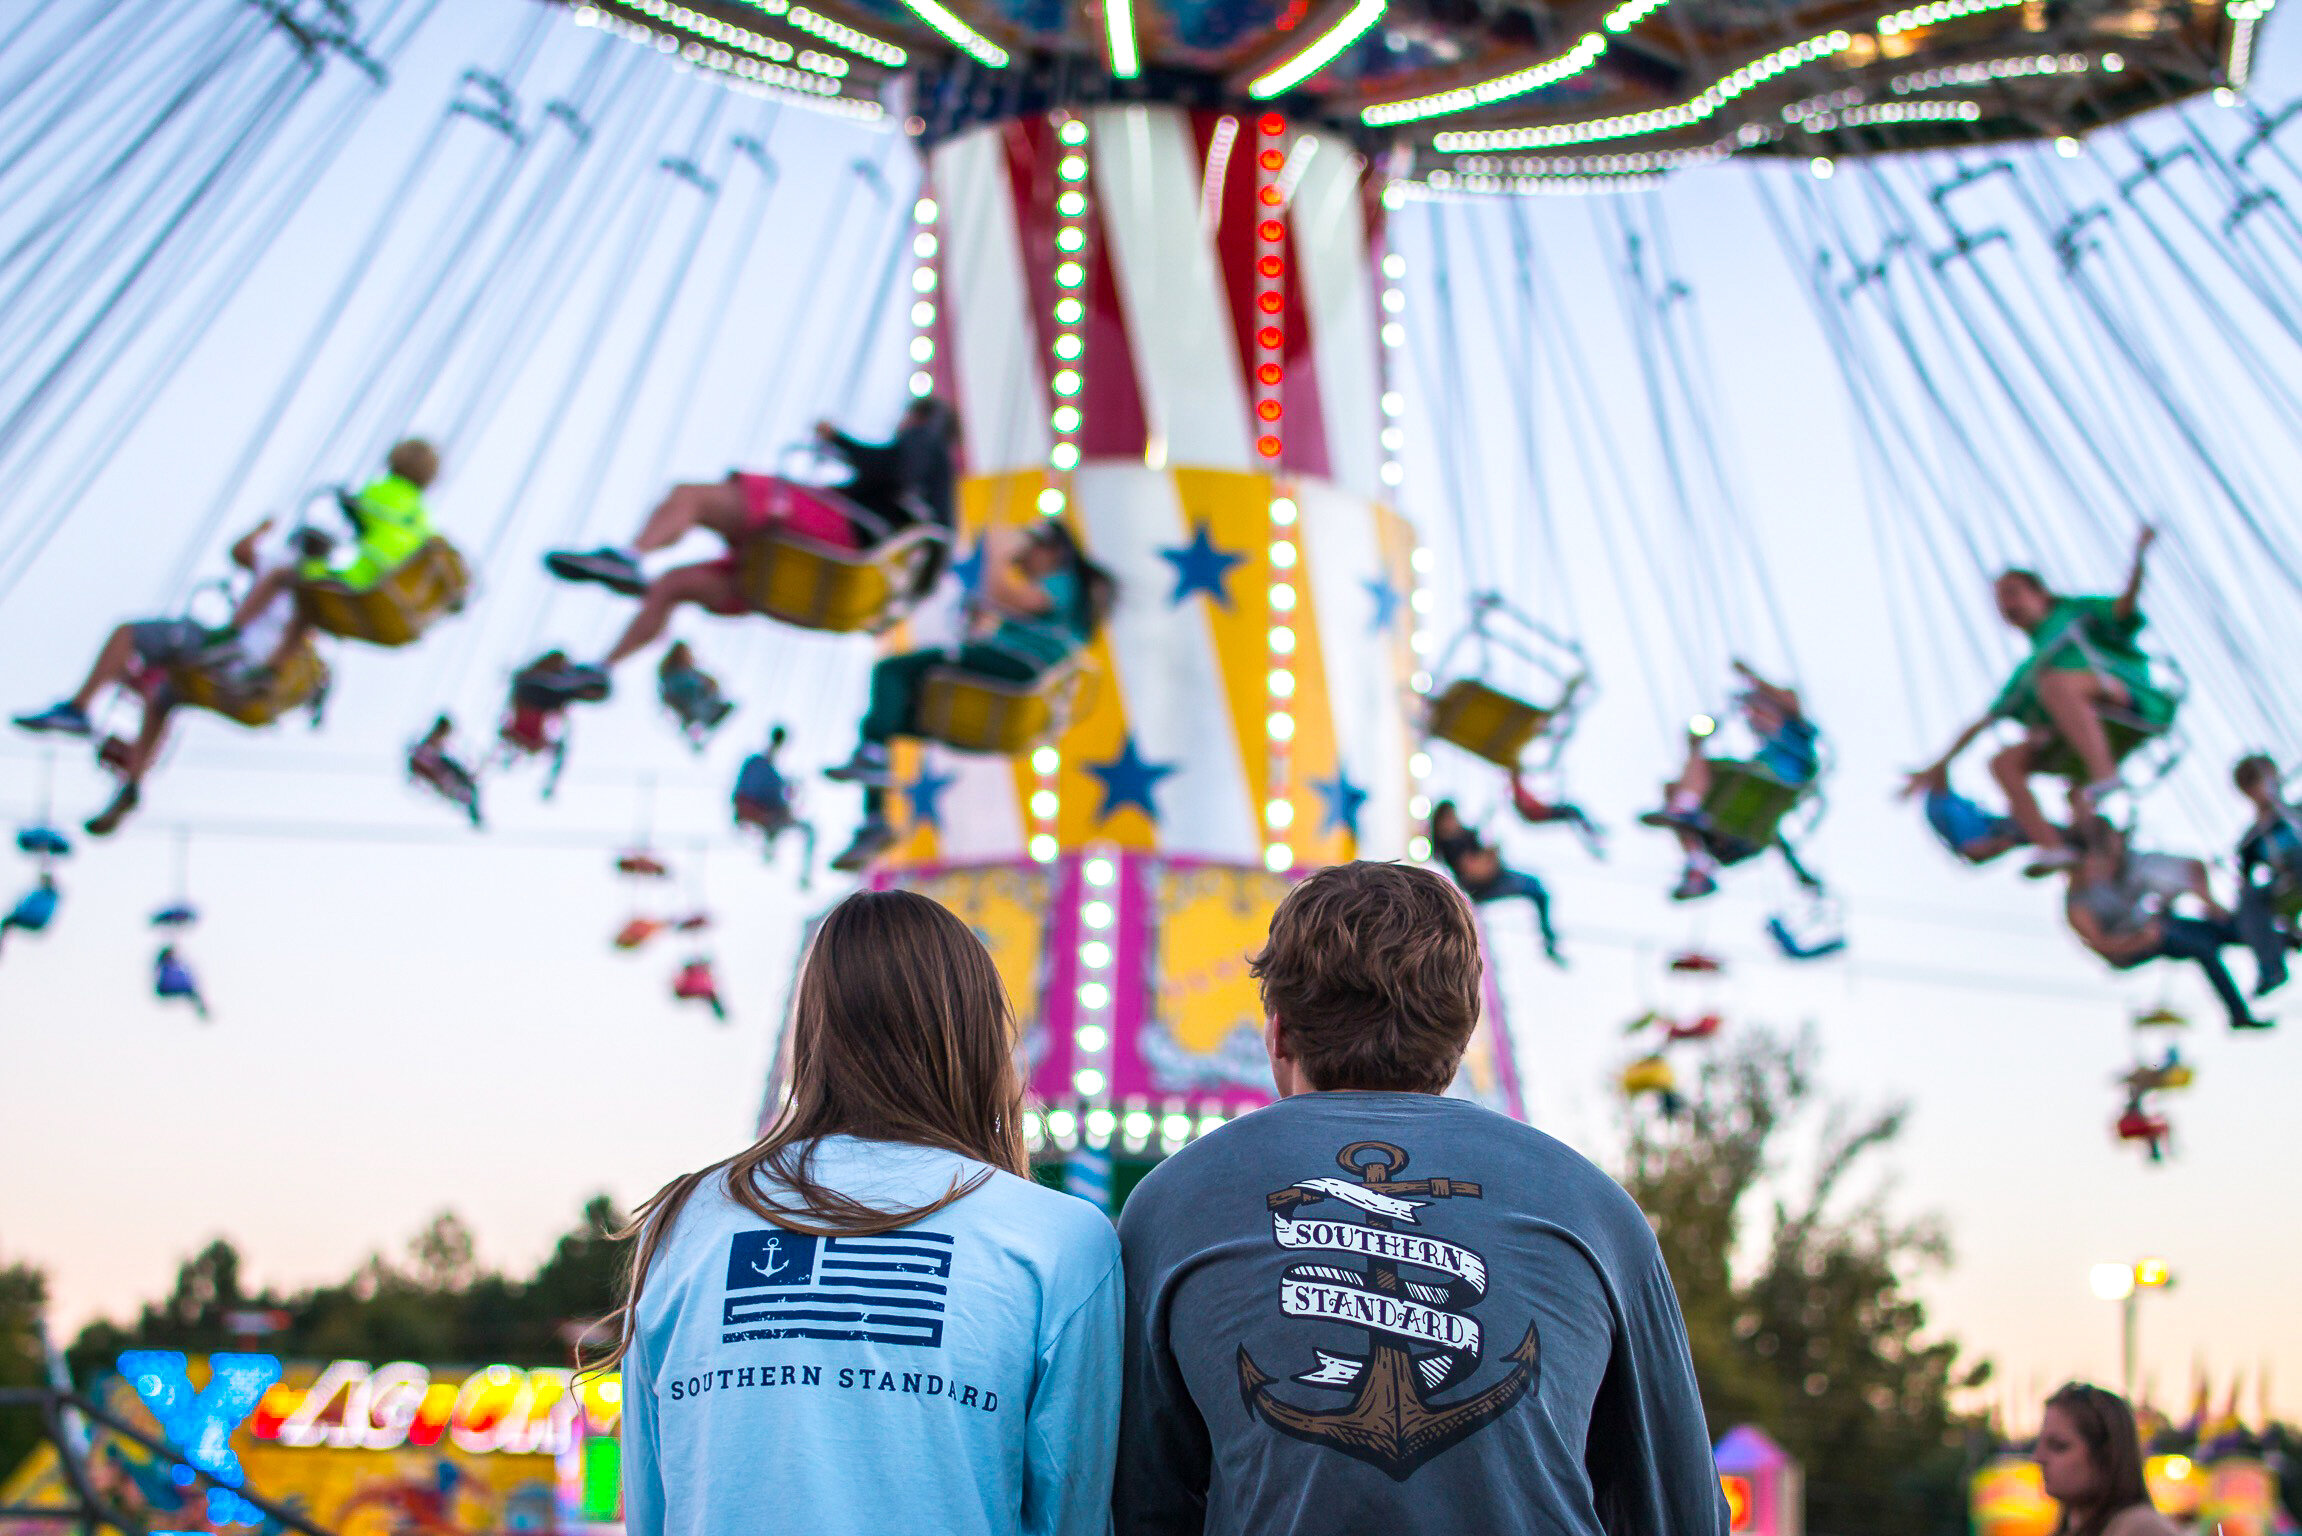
(959, 1376)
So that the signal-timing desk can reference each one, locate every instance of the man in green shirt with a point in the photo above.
(2084, 665)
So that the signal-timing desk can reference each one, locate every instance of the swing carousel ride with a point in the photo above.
(1159, 259)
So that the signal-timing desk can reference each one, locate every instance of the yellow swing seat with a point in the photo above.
(1486, 722)
(972, 713)
(299, 680)
(426, 587)
(813, 585)
(1649, 1074)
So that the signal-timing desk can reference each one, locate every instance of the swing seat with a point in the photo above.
(2128, 731)
(1649, 1074)
(1745, 808)
(2141, 1125)
(429, 585)
(1486, 722)
(814, 585)
(300, 679)
(971, 713)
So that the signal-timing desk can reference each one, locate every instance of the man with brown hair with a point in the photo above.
(1371, 1308)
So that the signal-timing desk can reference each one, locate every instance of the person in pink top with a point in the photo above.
(893, 485)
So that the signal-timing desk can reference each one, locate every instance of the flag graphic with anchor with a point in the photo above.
(1420, 1338)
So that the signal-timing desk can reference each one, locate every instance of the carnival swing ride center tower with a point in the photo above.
(1150, 268)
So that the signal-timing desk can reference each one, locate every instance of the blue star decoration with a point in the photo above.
(1129, 779)
(1344, 802)
(925, 795)
(1386, 599)
(1201, 567)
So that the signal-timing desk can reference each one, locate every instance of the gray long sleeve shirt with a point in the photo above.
(1394, 1313)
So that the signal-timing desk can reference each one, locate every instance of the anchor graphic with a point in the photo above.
(1389, 1424)
(775, 1266)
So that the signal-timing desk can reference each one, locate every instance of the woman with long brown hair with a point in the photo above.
(873, 1319)
(2090, 1461)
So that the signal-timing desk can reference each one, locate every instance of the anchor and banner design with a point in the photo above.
(1409, 1294)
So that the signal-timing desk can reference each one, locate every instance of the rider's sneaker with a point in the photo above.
(2050, 861)
(580, 684)
(107, 821)
(872, 839)
(1693, 886)
(611, 568)
(65, 719)
(869, 766)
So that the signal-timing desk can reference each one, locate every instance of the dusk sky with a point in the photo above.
(411, 1017)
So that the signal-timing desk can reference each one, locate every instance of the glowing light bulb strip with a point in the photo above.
(1658, 120)
(958, 33)
(1119, 31)
(1630, 13)
(750, 76)
(2243, 20)
(712, 29)
(1319, 52)
(1283, 551)
(1938, 11)
(1890, 112)
(823, 28)
(1067, 382)
(1093, 1012)
(1986, 72)
(926, 247)
(1393, 299)
(1486, 93)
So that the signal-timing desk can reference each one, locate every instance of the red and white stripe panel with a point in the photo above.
(1170, 295)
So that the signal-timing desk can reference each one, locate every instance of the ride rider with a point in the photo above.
(1480, 871)
(909, 480)
(1042, 601)
(2084, 660)
(1789, 752)
(2269, 871)
(137, 655)
(2119, 904)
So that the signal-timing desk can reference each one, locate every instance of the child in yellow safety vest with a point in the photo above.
(389, 519)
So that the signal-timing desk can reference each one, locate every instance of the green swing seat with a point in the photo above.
(2128, 731)
(1486, 722)
(1745, 808)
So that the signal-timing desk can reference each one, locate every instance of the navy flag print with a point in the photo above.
(887, 1289)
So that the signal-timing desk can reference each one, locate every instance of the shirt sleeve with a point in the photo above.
(1073, 1432)
(1650, 1451)
(642, 1470)
(1165, 1459)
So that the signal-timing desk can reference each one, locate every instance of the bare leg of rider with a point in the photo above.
(708, 584)
(111, 668)
(2074, 702)
(2012, 769)
(719, 506)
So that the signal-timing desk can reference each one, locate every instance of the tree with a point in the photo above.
(23, 1297)
(440, 1306)
(1820, 1344)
